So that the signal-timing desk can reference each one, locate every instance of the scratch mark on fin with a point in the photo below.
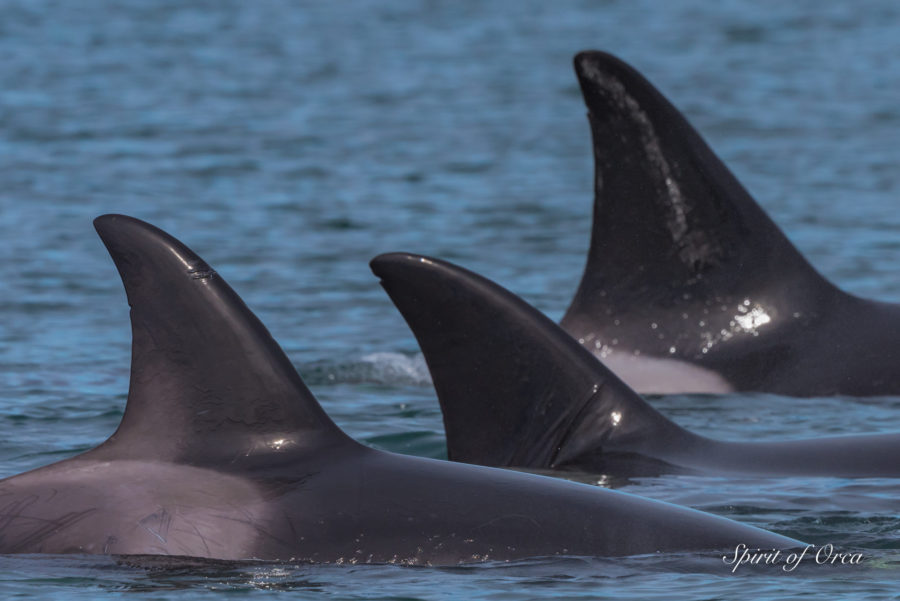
(201, 273)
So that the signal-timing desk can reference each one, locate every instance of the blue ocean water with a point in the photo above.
(289, 143)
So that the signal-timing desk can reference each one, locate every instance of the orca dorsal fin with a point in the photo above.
(674, 233)
(514, 388)
(208, 381)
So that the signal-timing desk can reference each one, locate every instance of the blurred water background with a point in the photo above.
(290, 142)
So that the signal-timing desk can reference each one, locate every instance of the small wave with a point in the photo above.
(374, 368)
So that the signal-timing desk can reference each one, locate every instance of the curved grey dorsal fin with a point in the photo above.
(673, 228)
(514, 388)
(208, 382)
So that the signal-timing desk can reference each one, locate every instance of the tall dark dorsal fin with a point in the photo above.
(674, 231)
(208, 382)
(514, 388)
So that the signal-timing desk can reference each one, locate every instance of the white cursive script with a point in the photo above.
(824, 555)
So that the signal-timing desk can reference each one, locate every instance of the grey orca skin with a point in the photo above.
(517, 391)
(224, 453)
(689, 286)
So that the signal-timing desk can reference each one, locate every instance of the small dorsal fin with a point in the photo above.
(675, 235)
(208, 382)
(514, 388)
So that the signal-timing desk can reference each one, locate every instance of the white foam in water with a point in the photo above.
(396, 368)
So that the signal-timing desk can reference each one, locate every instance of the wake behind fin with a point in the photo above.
(514, 388)
(208, 382)
(677, 245)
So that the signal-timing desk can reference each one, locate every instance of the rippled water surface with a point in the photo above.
(289, 143)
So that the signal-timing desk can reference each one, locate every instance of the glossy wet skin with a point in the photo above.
(516, 390)
(366, 507)
(224, 453)
(685, 267)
